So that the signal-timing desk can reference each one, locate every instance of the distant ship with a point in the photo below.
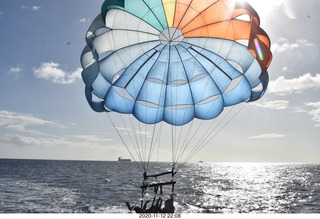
(121, 160)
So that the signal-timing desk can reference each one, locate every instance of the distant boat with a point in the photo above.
(121, 160)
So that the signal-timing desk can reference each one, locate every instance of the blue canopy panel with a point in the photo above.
(238, 53)
(147, 113)
(209, 108)
(149, 106)
(177, 116)
(125, 90)
(134, 76)
(114, 64)
(192, 67)
(179, 104)
(203, 88)
(97, 106)
(89, 61)
(177, 73)
(178, 95)
(264, 79)
(100, 87)
(223, 75)
(159, 71)
(239, 94)
(118, 99)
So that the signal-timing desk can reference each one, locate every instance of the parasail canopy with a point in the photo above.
(174, 60)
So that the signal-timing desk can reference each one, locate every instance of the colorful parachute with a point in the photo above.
(174, 60)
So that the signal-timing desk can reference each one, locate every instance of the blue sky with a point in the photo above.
(44, 113)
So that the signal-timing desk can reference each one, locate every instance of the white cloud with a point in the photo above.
(283, 86)
(20, 122)
(283, 45)
(267, 136)
(299, 109)
(1, 13)
(146, 133)
(295, 53)
(54, 141)
(92, 138)
(15, 70)
(284, 68)
(23, 123)
(19, 140)
(7, 117)
(36, 8)
(315, 113)
(51, 71)
(82, 20)
(22, 141)
(275, 105)
(313, 104)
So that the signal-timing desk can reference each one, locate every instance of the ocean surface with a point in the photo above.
(45, 186)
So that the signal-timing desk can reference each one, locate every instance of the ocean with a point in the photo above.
(48, 186)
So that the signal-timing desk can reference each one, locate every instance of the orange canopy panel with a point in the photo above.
(224, 19)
